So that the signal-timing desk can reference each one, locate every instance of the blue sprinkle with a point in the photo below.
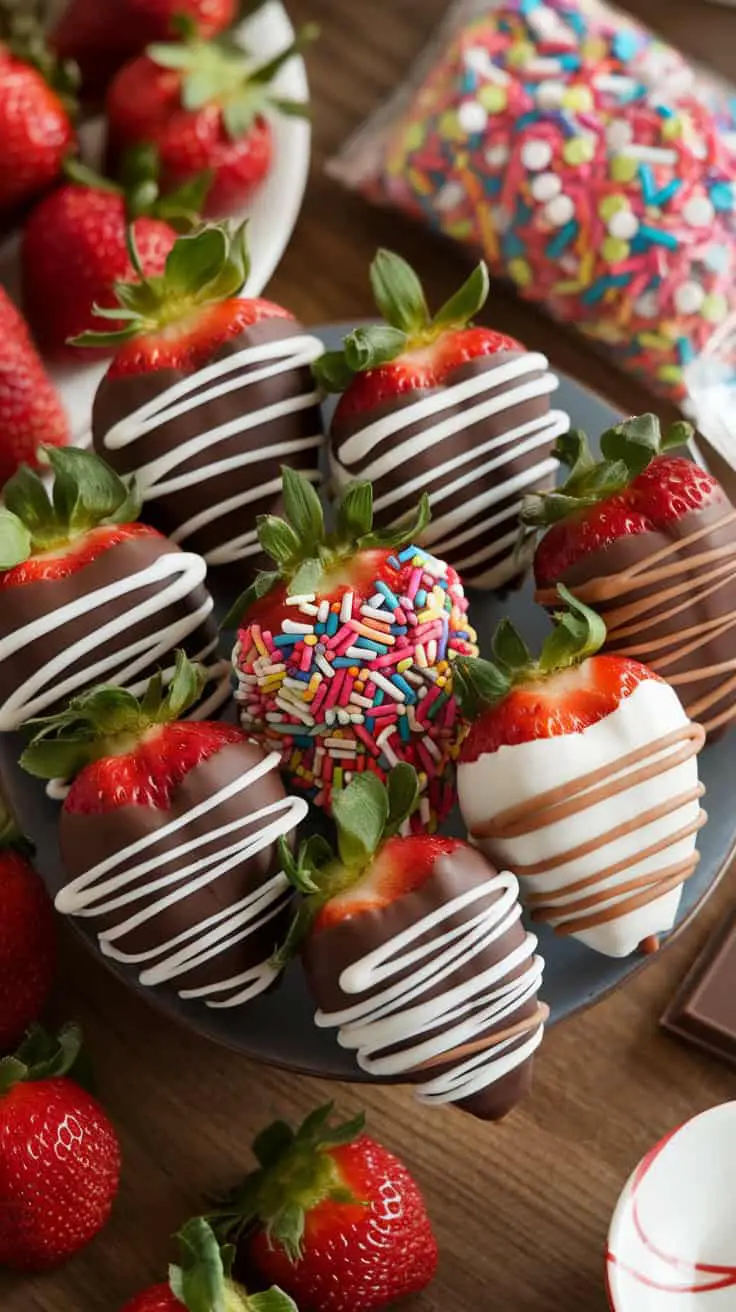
(665, 111)
(512, 245)
(393, 562)
(527, 120)
(648, 185)
(404, 728)
(388, 595)
(398, 628)
(378, 647)
(721, 194)
(285, 640)
(420, 597)
(527, 6)
(343, 662)
(378, 697)
(602, 285)
(302, 740)
(332, 623)
(405, 687)
(625, 45)
(576, 22)
(522, 213)
(666, 193)
(685, 350)
(658, 237)
(562, 239)
(492, 184)
(304, 675)
(407, 554)
(570, 62)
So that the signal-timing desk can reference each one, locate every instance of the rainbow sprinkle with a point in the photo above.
(350, 684)
(590, 164)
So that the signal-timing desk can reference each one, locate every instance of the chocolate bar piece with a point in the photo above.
(704, 1009)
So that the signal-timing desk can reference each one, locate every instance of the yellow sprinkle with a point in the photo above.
(461, 229)
(615, 249)
(594, 48)
(420, 656)
(578, 97)
(404, 665)
(450, 128)
(521, 272)
(578, 150)
(440, 682)
(672, 128)
(260, 644)
(492, 98)
(310, 640)
(714, 308)
(611, 205)
(273, 681)
(413, 136)
(296, 758)
(442, 667)
(670, 373)
(623, 169)
(424, 615)
(655, 341)
(519, 53)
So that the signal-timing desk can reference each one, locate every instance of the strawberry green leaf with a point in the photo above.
(305, 35)
(403, 795)
(678, 434)
(184, 690)
(170, 54)
(199, 1282)
(291, 108)
(509, 647)
(87, 492)
(579, 632)
(332, 372)
(635, 442)
(26, 497)
(540, 509)
(15, 540)
(307, 577)
(407, 529)
(303, 509)
(398, 295)
(42, 1056)
(278, 539)
(272, 1143)
(271, 1300)
(463, 306)
(260, 587)
(360, 812)
(84, 176)
(196, 260)
(479, 684)
(239, 115)
(371, 347)
(573, 450)
(354, 516)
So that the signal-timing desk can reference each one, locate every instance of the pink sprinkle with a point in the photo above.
(391, 658)
(370, 690)
(427, 763)
(427, 701)
(343, 633)
(398, 616)
(414, 581)
(319, 696)
(334, 689)
(327, 769)
(306, 659)
(346, 691)
(385, 709)
(366, 738)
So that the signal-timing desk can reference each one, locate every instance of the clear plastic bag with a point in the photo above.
(589, 161)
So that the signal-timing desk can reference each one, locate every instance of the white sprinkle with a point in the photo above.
(649, 154)
(544, 21)
(623, 224)
(698, 148)
(323, 613)
(360, 653)
(472, 117)
(452, 194)
(355, 717)
(546, 186)
(307, 608)
(277, 668)
(501, 220)
(299, 598)
(293, 708)
(378, 600)
(431, 747)
(689, 297)
(274, 717)
(375, 614)
(619, 134)
(347, 776)
(496, 156)
(411, 716)
(559, 211)
(356, 699)
(347, 754)
(339, 742)
(346, 607)
(549, 94)
(424, 810)
(247, 678)
(536, 155)
(387, 686)
(343, 717)
(698, 212)
(324, 666)
(647, 305)
(385, 734)
(291, 626)
(297, 684)
(330, 717)
(432, 651)
(615, 83)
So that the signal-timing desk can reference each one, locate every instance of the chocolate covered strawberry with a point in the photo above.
(344, 651)
(204, 105)
(332, 1217)
(59, 1155)
(440, 405)
(208, 393)
(36, 111)
(579, 773)
(102, 35)
(86, 592)
(75, 247)
(202, 1282)
(168, 837)
(415, 953)
(648, 538)
(27, 935)
(31, 411)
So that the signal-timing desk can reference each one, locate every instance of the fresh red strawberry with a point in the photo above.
(437, 404)
(36, 109)
(142, 778)
(204, 105)
(579, 772)
(102, 35)
(202, 1282)
(27, 936)
(75, 248)
(648, 538)
(414, 953)
(344, 652)
(59, 1156)
(332, 1217)
(31, 412)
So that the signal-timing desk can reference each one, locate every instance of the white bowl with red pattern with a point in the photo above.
(672, 1241)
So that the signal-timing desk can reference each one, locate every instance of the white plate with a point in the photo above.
(672, 1242)
(272, 212)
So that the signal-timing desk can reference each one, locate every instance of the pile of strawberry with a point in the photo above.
(176, 148)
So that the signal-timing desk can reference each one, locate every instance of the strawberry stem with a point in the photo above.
(202, 1283)
(44, 1057)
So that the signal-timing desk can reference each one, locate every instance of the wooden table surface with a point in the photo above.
(521, 1210)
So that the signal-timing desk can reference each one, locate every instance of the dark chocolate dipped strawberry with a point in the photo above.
(580, 772)
(648, 538)
(438, 405)
(345, 650)
(88, 593)
(208, 394)
(415, 953)
(169, 836)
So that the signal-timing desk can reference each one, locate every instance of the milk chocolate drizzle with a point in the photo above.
(588, 790)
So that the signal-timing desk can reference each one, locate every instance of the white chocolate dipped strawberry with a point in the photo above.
(579, 771)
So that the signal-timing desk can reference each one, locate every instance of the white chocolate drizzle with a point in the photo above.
(481, 470)
(115, 885)
(168, 474)
(427, 1032)
(61, 676)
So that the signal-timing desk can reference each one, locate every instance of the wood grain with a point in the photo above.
(522, 1209)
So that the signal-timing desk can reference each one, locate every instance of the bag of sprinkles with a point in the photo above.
(589, 161)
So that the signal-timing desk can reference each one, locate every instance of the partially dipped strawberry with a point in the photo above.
(579, 772)
(102, 35)
(345, 650)
(74, 246)
(648, 537)
(36, 111)
(415, 954)
(440, 405)
(207, 394)
(59, 1155)
(168, 837)
(332, 1217)
(87, 592)
(204, 105)
(202, 1281)
(27, 935)
(31, 410)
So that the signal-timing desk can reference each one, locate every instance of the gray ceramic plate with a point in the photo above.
(278, 1029)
